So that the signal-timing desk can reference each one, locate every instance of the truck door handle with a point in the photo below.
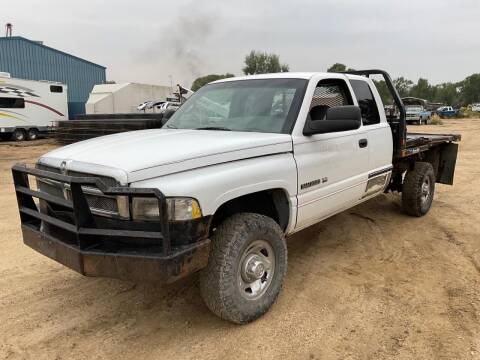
(363, 143)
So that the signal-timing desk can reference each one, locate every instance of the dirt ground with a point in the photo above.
(370, 283)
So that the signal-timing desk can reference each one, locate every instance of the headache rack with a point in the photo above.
(398, 126)
(407, 144)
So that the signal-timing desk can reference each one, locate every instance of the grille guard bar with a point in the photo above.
(84, 225)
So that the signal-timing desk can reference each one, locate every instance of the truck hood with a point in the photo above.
(140, 155)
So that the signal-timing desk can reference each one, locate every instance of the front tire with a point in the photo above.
(246, 268)
(418, 189)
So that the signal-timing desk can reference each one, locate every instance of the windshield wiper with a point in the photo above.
(170, 127)
(214, 128)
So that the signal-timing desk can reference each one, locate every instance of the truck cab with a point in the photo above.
(241, 165)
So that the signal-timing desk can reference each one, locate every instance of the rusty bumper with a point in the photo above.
(121, 265)
(64, 229)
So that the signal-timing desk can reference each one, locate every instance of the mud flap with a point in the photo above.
(447, 162)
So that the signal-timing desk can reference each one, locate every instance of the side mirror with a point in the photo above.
(338, 118)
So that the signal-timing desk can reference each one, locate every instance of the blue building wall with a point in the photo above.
(26, 59)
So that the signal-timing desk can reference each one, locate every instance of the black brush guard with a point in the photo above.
(83, 251)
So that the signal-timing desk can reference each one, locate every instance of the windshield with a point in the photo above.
(261, 105)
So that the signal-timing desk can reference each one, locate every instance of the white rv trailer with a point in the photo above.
(29, 108)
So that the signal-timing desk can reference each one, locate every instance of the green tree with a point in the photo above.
(203, 80)
(448, 93)
(423, 90)
(383, 91)
(403, 86)
(339, 67)
(471, 89)
(258, 62)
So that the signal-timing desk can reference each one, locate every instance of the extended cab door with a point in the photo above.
(380, 142)
(332, 167)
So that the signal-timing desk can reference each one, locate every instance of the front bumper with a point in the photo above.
(81, 241)
(121, 265)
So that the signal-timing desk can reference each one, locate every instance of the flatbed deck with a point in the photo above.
(420, 142)
(418, 139)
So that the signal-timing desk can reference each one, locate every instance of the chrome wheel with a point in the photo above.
(426, 189)
(256, 269)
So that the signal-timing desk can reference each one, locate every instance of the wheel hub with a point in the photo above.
(425, 190)
(256, 269)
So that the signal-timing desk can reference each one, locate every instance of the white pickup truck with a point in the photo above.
(244, 163)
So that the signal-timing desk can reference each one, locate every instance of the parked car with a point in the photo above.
(163, 106)
(446, 111)
(476, 107)
(158, 106)
(242, 164)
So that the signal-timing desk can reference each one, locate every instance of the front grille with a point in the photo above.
(99, 203)
(102, 203)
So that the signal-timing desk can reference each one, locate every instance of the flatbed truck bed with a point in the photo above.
(421, 139)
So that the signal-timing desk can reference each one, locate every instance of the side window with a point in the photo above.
(367, 103)
(330, 93)
(56, 88)
(12, 103)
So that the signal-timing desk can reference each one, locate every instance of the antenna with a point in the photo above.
(8, 28)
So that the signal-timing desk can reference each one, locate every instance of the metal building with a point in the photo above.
(26, 59)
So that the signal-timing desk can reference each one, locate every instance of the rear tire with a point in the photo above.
(19, 135)
(418, 189)
(246, 267)
(32, 134)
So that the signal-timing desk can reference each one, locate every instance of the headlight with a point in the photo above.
(178, 209)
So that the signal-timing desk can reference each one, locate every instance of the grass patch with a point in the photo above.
(466, 112)
(435, 120)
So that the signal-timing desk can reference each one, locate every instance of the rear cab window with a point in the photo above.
(366, 102)
(330, 93)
